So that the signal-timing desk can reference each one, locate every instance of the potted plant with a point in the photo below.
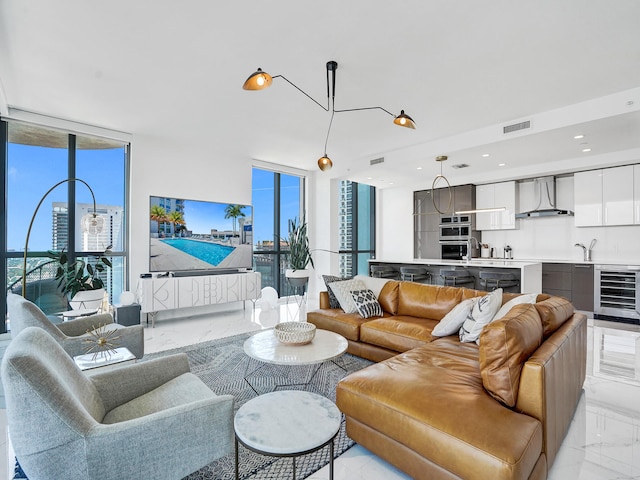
(81, 276)
(299, 253)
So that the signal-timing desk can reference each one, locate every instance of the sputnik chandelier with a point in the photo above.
(260, 80)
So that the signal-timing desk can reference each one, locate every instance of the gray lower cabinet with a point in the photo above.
(571, 281)
(582, 287)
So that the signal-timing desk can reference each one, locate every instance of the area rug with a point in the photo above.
(223, 365)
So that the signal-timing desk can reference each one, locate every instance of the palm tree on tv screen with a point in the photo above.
(158, 214)
(234, 211)
(176, 218)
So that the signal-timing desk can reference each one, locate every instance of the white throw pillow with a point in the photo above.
(342, 291)
(452, 321)
(373, 284)
(526, 298)
(481, 314)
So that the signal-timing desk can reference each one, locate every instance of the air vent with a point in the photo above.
(516, 126)
(460, 165)
(376, 161)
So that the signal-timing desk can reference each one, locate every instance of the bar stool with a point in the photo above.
(383, 271)
(414, 274)
(490, 280)
(453, 278)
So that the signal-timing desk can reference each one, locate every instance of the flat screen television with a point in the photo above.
(198, 236)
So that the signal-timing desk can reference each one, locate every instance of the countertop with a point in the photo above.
(475, 262)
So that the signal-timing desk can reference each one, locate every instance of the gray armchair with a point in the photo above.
(72, 334)
(151, 419)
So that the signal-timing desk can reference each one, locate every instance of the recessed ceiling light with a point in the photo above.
(585, 150)
(369, 178)
(390, 183)
(419, 168)
(501, 164)
(578, 137)
(485, 155)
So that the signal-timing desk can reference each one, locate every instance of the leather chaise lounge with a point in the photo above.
(438, 408)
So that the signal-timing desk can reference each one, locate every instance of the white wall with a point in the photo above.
(394, 227)
(160, 167)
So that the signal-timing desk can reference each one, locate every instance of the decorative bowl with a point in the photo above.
(295, 333)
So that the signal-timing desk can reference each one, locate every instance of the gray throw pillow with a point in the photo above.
(333, 300)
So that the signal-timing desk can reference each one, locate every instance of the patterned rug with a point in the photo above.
(223, 365)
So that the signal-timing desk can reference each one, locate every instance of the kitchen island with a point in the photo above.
(528, 272)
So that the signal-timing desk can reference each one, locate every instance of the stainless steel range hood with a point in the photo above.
(545, 191)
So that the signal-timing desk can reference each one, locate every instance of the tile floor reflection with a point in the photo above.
(603, 441)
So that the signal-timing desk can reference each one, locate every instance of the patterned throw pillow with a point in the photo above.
(342, 291)
(481, 314)
(366, 303)
(333, 301)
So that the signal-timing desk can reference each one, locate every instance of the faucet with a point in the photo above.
(470, 240)
(586, 252)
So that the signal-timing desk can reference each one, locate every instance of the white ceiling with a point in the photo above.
(462, 69)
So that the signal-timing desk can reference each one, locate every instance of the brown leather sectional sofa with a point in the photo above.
(437, 408)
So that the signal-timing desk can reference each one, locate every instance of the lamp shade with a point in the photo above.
(92, 223)
(404, 120)
(325, 163)
(258, 81)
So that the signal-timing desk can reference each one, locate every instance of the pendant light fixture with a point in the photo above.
(260, 80)
(434, 185)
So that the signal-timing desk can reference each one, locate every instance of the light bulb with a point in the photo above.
(403, 121)
(260, 80)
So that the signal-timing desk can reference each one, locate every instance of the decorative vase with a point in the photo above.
(297, 278)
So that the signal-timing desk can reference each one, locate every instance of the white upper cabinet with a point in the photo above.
(617, 195)
(604, 197)
(496, 195)
(587, 194)
(636, 194)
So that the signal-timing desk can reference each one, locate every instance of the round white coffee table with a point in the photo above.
(266, 348)
(287, 423)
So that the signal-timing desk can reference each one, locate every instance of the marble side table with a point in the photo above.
(287, 423)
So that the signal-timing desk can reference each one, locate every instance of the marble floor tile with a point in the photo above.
(603, 441)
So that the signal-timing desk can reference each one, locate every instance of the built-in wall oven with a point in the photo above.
(455, 228)
(453, 250)
(617, 292)
(455, 231)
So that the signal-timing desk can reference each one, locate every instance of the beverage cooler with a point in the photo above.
(617, 292)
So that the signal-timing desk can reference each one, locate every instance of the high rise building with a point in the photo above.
(112, 234)
(345, 218)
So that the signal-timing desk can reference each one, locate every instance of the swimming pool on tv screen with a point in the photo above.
(212, 253)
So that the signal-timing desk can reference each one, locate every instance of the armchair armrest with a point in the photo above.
(80, 326)
(122, 385)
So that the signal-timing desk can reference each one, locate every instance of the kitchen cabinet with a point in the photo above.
(425, 224)
(636, 194)
(571, 281)
(496, 195)
(604, 197)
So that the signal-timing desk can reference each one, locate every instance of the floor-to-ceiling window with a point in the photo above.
(277, 198)
(34, 159)
(357, 227)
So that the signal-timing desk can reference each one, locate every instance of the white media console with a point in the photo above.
(156, 294)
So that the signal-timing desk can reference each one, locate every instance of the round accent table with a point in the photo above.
(287, 423)
(266, 348)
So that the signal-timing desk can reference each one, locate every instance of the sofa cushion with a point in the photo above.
(427, 301)
(554, 312)
(506, 306)
(372, 283)
(481, 314)
(366, 303)
(398, 333)
(505, 345)
(432, 401)
(453, 320)
(388, 297)
(335, 320)
(333, 301)
(342, 291)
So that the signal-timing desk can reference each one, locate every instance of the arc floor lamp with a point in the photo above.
(91, 222)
